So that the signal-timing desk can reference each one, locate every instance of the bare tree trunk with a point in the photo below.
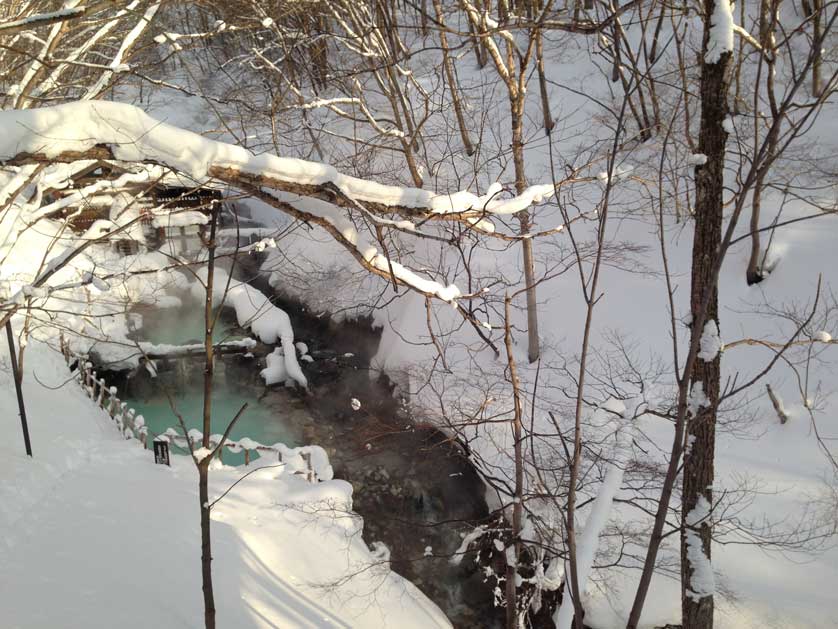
(206, 545)
(816, 38)
(203, 465)
(699, 461)
(533, 349)
(512, 614)
(697, 612)
(456, 100)
(753, 274)
(740, 57)
(767, 23)
(542, 82)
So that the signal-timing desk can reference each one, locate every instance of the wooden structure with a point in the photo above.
(169, 212)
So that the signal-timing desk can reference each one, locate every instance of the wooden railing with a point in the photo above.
(132, 425)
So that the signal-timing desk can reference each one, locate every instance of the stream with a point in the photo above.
(413, 486)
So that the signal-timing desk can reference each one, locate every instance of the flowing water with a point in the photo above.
(414, 487)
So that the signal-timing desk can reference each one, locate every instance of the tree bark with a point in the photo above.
(817, 35)
(206, 546)
(533, 348)
(699, 459)
(203, 465)
(753, 273)
(451, 78)
(17, 374)
(512, 614)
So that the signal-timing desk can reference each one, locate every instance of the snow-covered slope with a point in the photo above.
(96, 535)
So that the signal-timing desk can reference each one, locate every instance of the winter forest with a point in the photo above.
(413, 314)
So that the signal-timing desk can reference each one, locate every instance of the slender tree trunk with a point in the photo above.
(203, 465)
(17, 374)
(699, 468)
(512, 614)
(533, 349)
(477, 46)
(817, 36)
(767, 24)
(451, 79)
(542, 81)
(206, 546)
(753, 274)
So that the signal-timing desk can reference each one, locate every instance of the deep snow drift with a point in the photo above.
(96, 535)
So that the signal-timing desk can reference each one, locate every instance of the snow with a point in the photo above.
(588, 541)
(697, 399)
(618, 173)
(248, 444)
(382, 263)
(126, 44)
(697, 159)
(721, 32)
(788, 591)
(42, 18)
(180, 219)
(468, 540)
(90, 505)
(275, 371)
(201, 453)
(727, 124)
(134, 136)
(615, 406)
(267, 321)
(709, 345)
(702, 577)
(823, 336)
(262, 245)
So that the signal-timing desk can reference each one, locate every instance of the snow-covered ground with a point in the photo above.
(96, 535)
(62, 502)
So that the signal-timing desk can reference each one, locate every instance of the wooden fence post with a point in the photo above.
(309, 472)
(101, 399)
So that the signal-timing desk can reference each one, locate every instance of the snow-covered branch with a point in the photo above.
(309, 191)
(51, 17)
(83, 130)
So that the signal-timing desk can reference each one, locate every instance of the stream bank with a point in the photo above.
(415, 489)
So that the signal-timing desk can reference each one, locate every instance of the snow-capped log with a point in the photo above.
(44, 19)
(308, 191)
(107, 130)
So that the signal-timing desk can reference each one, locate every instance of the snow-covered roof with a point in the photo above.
(179, 218)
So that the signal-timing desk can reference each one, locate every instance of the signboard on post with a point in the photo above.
(161, 452)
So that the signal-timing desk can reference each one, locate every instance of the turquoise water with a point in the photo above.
(181, 326)
(185, 325)
(259, 422)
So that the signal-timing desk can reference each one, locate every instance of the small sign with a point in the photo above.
(161, 452)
